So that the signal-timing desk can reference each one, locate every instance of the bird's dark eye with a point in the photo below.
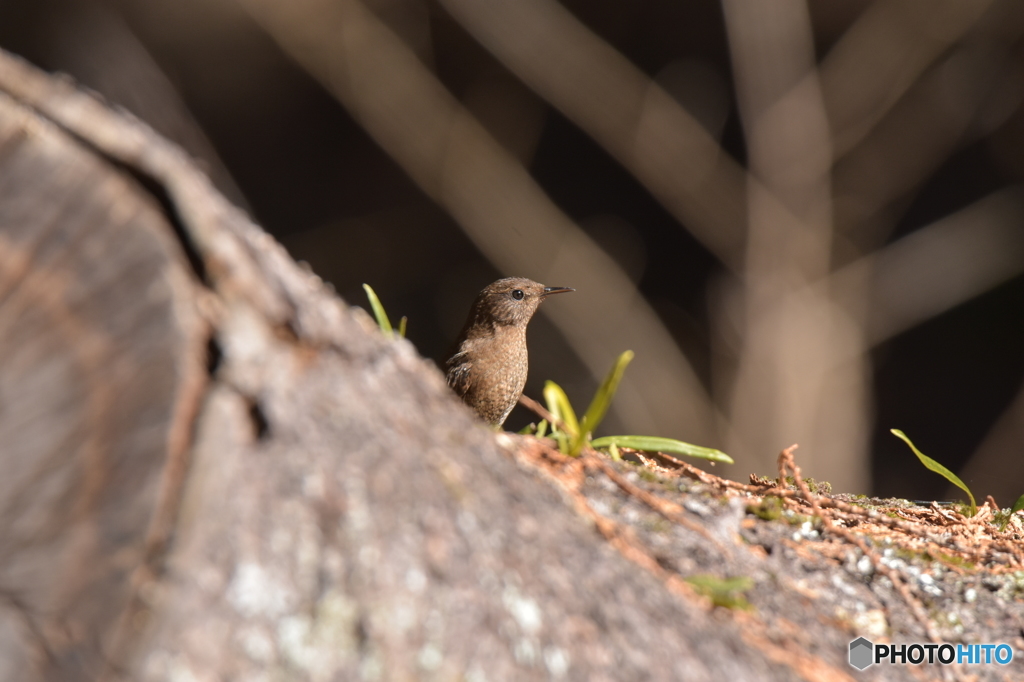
(517, 294)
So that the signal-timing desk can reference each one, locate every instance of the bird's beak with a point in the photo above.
(555, 290)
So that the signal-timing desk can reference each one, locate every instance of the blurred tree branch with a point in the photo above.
(627, 113)
(932, 119)
(936, 267)
(793, 335)
(454, 160)
(882, 55)
(834, 151)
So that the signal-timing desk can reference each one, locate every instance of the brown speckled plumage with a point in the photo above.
(490, 364)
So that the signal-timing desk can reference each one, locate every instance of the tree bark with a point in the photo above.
(214, 468)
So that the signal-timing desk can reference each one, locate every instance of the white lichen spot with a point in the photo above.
(601, 507)
(524, 610)
(842, 585)
(415, 580)
(336, 623)
(313, 485)
(430, 658)
(254, 592)
(249, 339)
(476, 674)
(699, 508)
(865, 565)
(369, 556)
(294, 638)
(404, 617)
(371, 669)
(504, 440)
(466, 521)
(556, 660)
(970, 594)
(524, 652)
(805, 532)
(929, 586)
(256, 644)
(320, 644)
(893, 562)
(181, 672)
(162, 665)
(871, 623)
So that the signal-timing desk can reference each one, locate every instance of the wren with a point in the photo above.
(488, 370)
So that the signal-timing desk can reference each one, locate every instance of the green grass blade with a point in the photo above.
(932, 465)
(1017, 506)
(539, 430)
(560, 407)
(378, 311)
(669, 446)
(401, 326)
(613, 451)
(602, 400)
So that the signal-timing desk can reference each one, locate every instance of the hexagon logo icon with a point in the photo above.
(861, 653)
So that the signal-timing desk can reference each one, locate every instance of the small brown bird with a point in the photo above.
(489, 367)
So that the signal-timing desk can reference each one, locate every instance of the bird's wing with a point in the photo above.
(459, 373)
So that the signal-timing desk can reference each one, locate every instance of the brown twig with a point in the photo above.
(786, 461)
(570, 477)
(669, 510)
(542, 412)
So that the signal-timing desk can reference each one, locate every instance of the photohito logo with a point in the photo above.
(864, 653)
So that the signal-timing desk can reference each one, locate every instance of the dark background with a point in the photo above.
(277, 143)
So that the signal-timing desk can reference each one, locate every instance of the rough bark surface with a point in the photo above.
(214, 469)
(317, 506)
(96, 335)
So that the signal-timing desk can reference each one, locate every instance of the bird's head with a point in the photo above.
(513, 300)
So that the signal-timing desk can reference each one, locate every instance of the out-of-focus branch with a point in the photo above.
(453, 159)
(919, 133)
(929, 271)
(633, 118)
(874, 71)
(787, 385)
(937, 267)
(882, 55)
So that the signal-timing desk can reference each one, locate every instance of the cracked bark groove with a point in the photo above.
(316, 505)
